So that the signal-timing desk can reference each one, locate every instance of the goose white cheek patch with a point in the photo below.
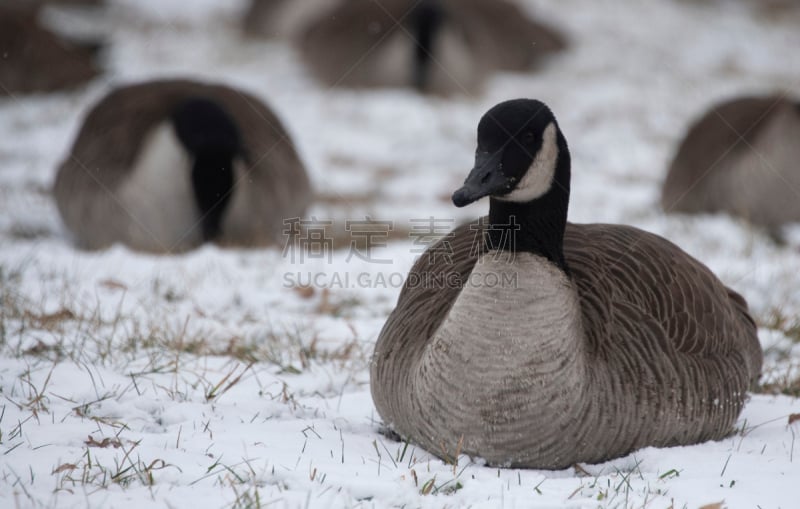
(539, 177)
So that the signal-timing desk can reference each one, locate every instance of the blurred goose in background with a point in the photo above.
(741, 157)
(532, 342)
(436, 46)
(163, 166)
(35, 59)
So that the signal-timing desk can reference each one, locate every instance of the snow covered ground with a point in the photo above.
(207, 380)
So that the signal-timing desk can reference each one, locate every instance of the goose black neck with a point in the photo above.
(212, 181)
(427, 20)
(211, 136)
(536, 226)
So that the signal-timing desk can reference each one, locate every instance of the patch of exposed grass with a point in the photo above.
(116, 340)
(787, 386)
(291, 350)
(127, 468)
(246, 498)
(781, 373)
(789, 325)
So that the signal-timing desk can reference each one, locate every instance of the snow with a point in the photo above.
(205, 380)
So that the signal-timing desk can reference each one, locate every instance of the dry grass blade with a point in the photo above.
(428, 486)
(216, 391)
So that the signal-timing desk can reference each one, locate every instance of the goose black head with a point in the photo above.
(521, 155)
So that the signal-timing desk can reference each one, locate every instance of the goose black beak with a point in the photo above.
(485, 179)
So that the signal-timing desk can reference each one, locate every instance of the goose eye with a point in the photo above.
(528, 137)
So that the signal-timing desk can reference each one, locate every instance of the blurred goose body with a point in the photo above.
(33, 59)
(164, 166)
(742, 158)
(435, 46)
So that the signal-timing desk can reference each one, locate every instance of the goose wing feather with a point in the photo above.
(698, 316)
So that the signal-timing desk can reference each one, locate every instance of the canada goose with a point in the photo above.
(435, 46)
(165, 165)
(34, 59)
(741, 157)
(532, 342)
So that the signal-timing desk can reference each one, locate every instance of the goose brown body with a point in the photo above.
(668, 353)
(361, 43)
(623, 342)
(270, 182)
(740, 157)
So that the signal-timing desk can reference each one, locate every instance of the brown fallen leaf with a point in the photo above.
(304, 291)
(50, 321)
(104, 443)
(715, 505)
(113, 284)
(793, 418)
(581, 471)
(65, 467)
